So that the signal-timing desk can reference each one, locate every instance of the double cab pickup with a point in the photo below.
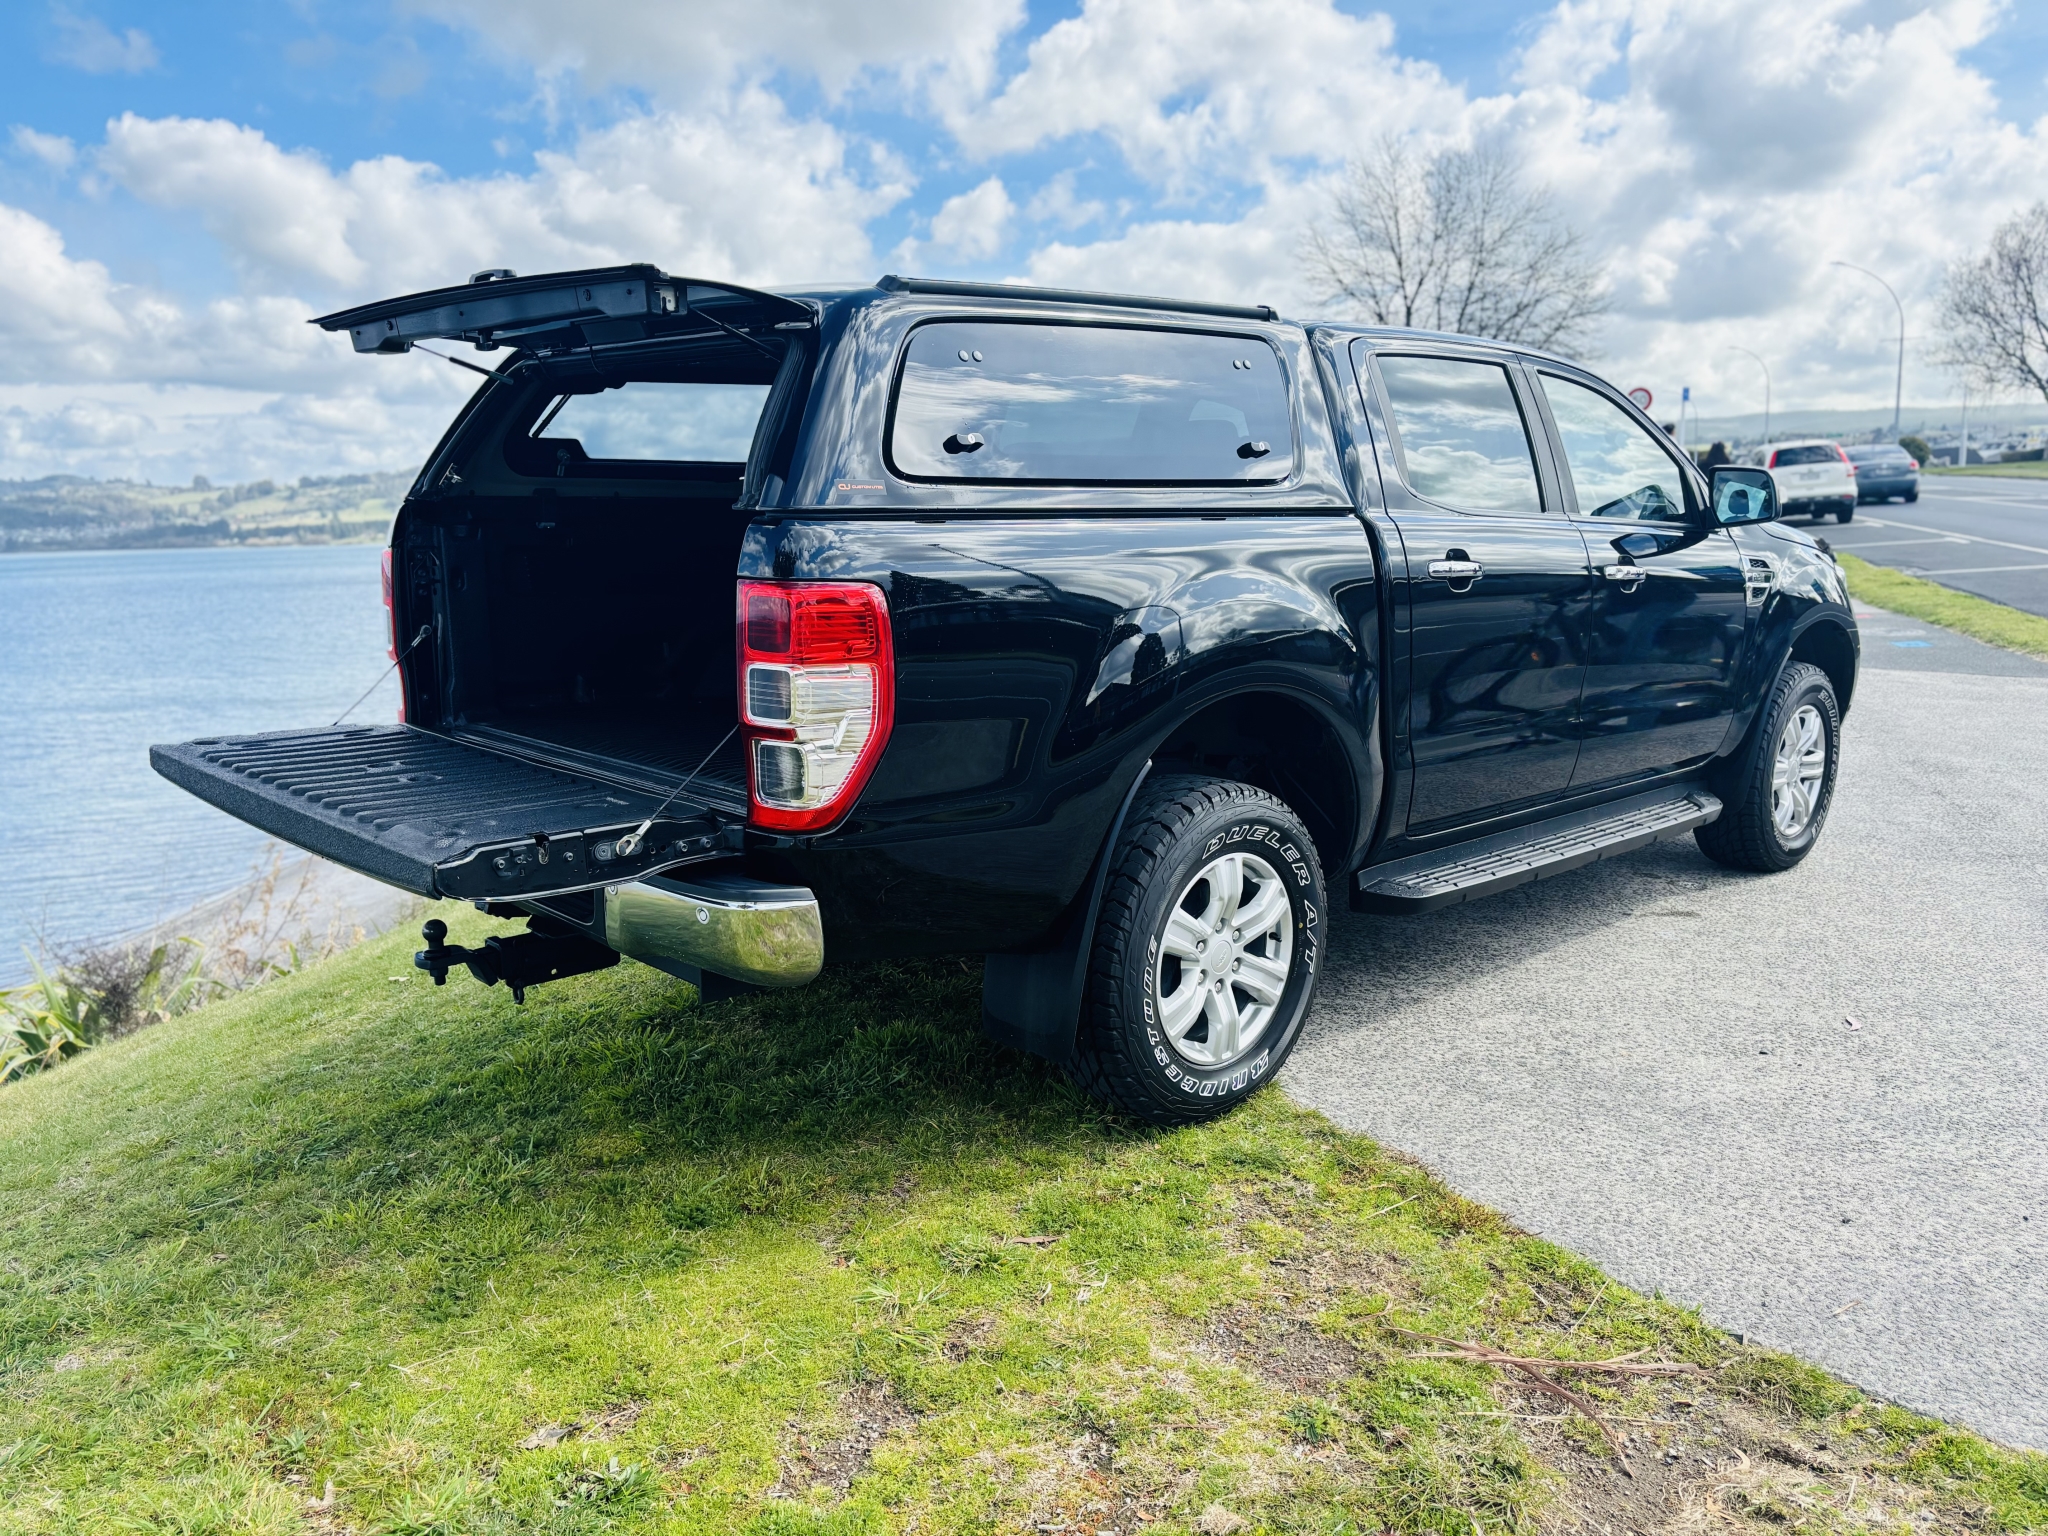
(1103, 637)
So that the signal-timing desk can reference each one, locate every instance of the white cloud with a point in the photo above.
(88, 43)
(744, 192)
(53, 150)
(1194, 91)
(676, 51)
(1057, 203)
(975, 224)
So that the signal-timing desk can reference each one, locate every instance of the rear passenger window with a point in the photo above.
(1458, 434)
(1090, 405)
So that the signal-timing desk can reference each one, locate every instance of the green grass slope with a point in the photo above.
(820, 1262)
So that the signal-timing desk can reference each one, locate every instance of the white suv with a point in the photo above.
(1813, 477)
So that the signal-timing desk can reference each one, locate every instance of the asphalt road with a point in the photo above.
(1984, 535)
(1651, 1061)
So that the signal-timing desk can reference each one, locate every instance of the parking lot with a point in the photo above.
(1811, 1103)
(1988, 536)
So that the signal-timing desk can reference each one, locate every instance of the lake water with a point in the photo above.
(103, 653)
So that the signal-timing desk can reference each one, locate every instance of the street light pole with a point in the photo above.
(1899, 384)
(1767, 388)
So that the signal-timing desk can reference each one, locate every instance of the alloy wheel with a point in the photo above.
(1225, 952)
(1796, 774)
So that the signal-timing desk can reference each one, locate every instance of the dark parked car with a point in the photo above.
(1884, 470)
(1095, 635)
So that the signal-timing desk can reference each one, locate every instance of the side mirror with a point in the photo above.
(1743, 495)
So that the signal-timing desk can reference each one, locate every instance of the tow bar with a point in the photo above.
(521, 960)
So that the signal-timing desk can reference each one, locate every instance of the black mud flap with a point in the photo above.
(442, 817)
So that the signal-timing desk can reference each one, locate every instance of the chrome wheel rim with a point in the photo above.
(1797, 772)
(1225, 952)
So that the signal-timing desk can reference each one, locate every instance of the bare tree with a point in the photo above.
(1994, 308)
(1454, 242)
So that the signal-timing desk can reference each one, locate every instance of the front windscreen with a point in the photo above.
(688, 422)
(1090, 405)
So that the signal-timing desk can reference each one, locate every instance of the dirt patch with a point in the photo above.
(968, 1336)
(1290, 1352)
(1703, 1462)
(615, 1420)
(871, 1412)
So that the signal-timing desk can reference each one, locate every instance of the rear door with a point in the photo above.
(1496, 588)
(1665, 633)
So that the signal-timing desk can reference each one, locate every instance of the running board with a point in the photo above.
(1485, 865)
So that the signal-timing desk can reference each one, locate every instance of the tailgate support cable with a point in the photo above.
(425, 630)
(630, 843)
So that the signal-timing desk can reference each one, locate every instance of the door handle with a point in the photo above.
(1628, 575)
(1456, 570)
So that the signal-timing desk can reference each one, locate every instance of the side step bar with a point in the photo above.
(1485, 865)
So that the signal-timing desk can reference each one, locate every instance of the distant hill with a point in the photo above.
(71, 512)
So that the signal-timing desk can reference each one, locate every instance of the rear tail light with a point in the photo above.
(817, 697)
(391, 632)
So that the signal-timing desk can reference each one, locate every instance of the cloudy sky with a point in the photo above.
(180, 187)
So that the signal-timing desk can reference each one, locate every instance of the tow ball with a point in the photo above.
(547, 951)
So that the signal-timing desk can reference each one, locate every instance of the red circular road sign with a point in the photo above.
(1641, 396)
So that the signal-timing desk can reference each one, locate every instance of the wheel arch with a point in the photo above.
(1292, 745)
(1827, 644)
(1032, 1001)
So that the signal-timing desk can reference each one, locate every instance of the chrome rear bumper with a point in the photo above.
(770, 935)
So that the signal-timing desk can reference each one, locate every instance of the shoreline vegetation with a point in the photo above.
(69, 512)
(354, 1253)
(282, 918)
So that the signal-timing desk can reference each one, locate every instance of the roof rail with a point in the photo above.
(942, 285)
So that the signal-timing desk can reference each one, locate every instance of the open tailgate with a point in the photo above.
(441, 817)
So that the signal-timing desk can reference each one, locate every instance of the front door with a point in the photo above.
(1666, 628)
(1495, 590)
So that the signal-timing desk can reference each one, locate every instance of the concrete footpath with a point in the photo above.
(1815, 1104)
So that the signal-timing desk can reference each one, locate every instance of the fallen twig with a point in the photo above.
(1535, 1369)
(1032, 1242)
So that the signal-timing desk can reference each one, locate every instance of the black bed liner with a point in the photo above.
(442, 817)
(627, 747)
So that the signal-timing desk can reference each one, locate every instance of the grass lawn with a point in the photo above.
(820, 1262)
(2030, 469)
(1917, 598)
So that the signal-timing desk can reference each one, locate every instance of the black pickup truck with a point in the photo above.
(1089, 633)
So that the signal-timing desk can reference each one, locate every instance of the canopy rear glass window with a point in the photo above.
(1089, 405)
(659, 420)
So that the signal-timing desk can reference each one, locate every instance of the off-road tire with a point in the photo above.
(1176, 827)
(1746, 835)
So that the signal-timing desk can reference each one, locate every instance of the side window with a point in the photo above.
(1458, 434)
(1090, 405)
(1617, 468)
(694, 423)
